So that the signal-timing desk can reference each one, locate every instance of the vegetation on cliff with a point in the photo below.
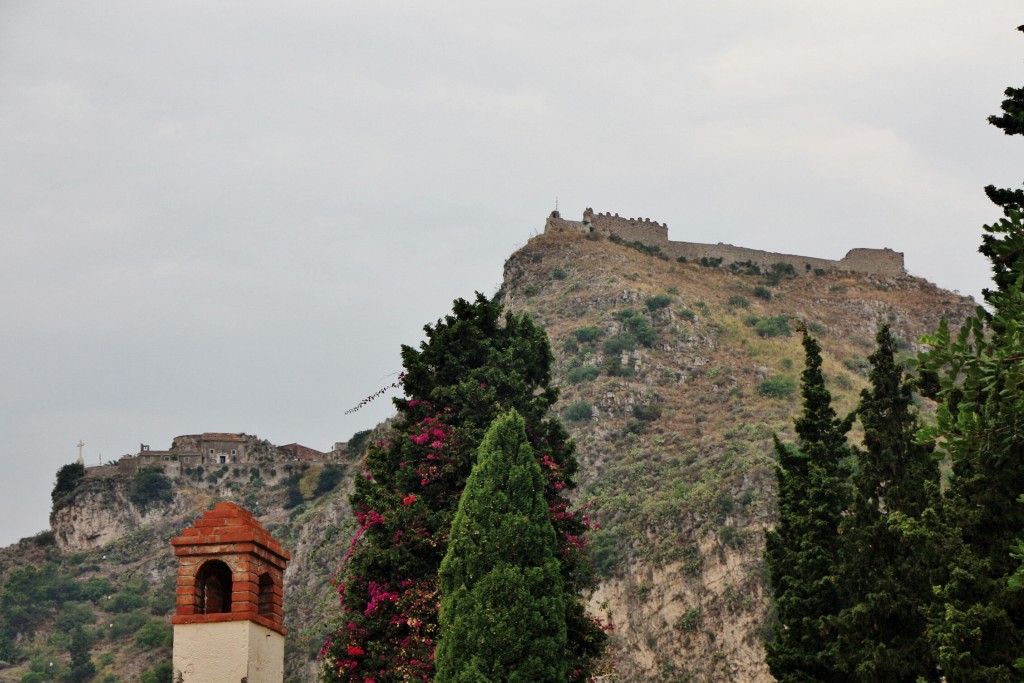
(68, 478)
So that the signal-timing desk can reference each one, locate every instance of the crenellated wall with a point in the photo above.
(651, 233)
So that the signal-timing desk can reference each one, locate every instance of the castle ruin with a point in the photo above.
(650, 233)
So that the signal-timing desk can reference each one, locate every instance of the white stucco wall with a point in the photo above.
(227, 652)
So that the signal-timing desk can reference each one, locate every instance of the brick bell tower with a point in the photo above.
(228, 627)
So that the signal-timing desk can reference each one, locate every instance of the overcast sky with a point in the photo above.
(227, 216)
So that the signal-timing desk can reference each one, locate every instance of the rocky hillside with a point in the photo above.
(674, 375)
(108, 567)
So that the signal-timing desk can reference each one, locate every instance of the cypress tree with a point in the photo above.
(502, 609)
(802, 551)
(82, 668)
(888, 562)
(473, 366)
(978, 378)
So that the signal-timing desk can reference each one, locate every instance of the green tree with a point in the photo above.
(474, 365)
(802, 551)
(82, 668)
(502, 608)
(150, 487)
(68, 477)
(888, 557)
(978, 378)
(161, 673)
(330, 477)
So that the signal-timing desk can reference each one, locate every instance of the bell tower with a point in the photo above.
(228, 625)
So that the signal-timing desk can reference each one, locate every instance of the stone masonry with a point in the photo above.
(885, 262)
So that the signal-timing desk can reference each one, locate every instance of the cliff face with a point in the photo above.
(101, 512)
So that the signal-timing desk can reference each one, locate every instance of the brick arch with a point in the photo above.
(230, 569)
(213, 586)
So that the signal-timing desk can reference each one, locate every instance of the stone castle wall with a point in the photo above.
(651, 233)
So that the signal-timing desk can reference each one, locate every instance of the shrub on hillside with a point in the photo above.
(624, 341)
(154, 634)
(738, 301)
(782, 269)
(125, 624)
(124, 602)
(657, 301)
(638, 326)
(777, 387)
(161, 673)
(584, 373)
(614, 367)
(646, 413)
(67, 479)
(776, 326)
(95, 589)
(74, 614)
(579, 411)
(150, 487)
(587, 335)
(292, 494)
(745, 268)
(330, 477)
(763, 293)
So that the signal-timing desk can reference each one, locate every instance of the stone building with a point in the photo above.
(209, 448)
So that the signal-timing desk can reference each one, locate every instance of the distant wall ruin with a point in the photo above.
(654, 234)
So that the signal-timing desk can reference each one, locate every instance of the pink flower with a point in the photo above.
(409, 500)
(355, 650)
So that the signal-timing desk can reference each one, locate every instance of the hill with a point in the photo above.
(674, 376)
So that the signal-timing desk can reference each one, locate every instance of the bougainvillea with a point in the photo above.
(474, 365)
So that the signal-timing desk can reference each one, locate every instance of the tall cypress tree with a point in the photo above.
(978, 378)
(888, 565)
(802, 551)
(474, 365)
(82, 668)
(502, 608)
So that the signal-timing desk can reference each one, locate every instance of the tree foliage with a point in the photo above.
(68, 477)
(474, 365)
(977, 376)
(889, 543)
(82, 668)
(802, 551)
(502, 612)
(150, 487)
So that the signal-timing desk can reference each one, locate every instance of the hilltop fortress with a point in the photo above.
(885, 262)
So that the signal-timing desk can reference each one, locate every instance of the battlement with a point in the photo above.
(654, 234)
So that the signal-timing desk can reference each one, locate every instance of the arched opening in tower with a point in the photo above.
(213, 588)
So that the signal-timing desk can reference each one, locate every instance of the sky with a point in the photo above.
(228, 216)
